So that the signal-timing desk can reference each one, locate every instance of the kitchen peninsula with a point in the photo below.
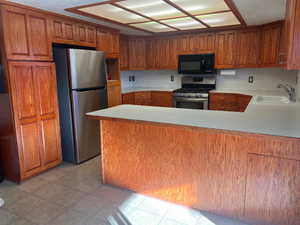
(241, 165)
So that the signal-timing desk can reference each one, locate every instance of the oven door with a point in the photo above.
(191, 103)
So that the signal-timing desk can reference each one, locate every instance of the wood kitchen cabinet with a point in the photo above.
(161, 98)
(226, 49)
(270, 184)
(292, 35)
(70, 32)
(137, 54)
(108, 41)
(270, 45)
(114, 93)
(229, 102)
(26, 34)
(142, 98)
(203, 43)
(128, 98)
(248, 47)
(35, 106)
(124, 48)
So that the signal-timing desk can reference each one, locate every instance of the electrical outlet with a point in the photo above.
(130, 79)
(133, 78)
(172, 78)
(251, 79)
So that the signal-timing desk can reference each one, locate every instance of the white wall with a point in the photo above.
(264, 79)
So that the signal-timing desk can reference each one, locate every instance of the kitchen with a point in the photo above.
(199, 116)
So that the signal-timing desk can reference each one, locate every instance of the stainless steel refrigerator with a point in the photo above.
(81, 83)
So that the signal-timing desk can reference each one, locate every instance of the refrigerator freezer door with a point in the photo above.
(87, 69)
(87, 132)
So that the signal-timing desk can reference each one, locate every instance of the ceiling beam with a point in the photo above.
(235, 11)
(142, 15)
(185, 12)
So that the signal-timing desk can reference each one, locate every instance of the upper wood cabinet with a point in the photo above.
(226, 49)
(34, 100)
(137, 54)
(26, 34)
(292, 35)
(203, 43)
(108, 41)
(248, 47)
(124, 48)
(270, 45)
(69, 32)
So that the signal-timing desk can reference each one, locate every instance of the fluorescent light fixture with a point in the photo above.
(220, 19)
(162, 13)
(185, 23)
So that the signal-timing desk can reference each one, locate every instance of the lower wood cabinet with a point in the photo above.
(142, 98)
(35, 107)
(229, 102)
(150, 98)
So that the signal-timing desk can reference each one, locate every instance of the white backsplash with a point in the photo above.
(265, 79)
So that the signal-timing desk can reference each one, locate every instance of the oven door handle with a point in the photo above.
(179, 99)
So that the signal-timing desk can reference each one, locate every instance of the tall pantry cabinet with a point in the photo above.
(30, 132)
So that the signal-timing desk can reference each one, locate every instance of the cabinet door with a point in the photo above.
(45, 80)
(142, 98)
(184, 45)
(173, 54)
(114, 93)
(272, 191)
(17, 43)
(69, 31)
(124, 61)
(137, 54)
(226, 49)
(26, 116)
(203, 43)
(270, 45)
(103, 41)
(152, 56)
(163, 53)
(248, 48)
(39, 27)
(82, 33)
(128, 98)
(224, 102)
(161, 98)
(57, 30)
(115, 39)
(91, 35)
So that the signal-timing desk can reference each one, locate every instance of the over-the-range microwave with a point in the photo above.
(197, 64)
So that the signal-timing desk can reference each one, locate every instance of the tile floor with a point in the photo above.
(74, 195)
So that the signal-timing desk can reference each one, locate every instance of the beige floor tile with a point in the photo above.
(60, 194)
(6, 217)
(69, 217)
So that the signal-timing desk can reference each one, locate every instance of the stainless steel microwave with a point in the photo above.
(197, 64)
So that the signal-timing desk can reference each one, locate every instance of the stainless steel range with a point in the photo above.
(194, 93)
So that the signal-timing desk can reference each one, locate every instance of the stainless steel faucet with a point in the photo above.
(290, 90)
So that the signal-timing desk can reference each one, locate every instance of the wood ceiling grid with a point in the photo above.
(229, 3)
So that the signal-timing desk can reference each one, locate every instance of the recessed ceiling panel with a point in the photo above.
(185, 23)
(153, 26)
(156, 9)
(220, 19)
(196, 7)
(114, 13)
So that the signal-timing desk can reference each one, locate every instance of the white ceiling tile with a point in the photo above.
(220, 19)
(200, 7)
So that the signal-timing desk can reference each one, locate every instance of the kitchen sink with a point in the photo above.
(271, 100)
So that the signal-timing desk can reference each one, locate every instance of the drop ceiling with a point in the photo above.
(252, 11)
(160, 16)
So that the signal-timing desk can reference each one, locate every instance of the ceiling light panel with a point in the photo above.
(185, 23)
(220, 19)
(156, 9)
(153, 27)
(114, 13)
(196, 7)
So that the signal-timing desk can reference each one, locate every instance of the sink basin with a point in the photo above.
(271, 100)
